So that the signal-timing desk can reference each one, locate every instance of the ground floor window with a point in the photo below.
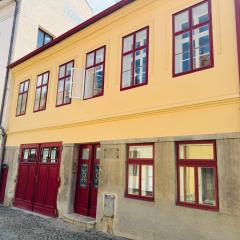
(197, 174)
(140, 173)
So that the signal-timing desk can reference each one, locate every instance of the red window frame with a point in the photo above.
(95, 64)
(190, 29)
(41, 86)
(21, 93)
(64, 77)
(139, 162)
(196, 163)
(133, 51)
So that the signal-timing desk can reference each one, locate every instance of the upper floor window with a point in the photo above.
(193, 48)
(140, 171)
(41, 92)
(43, 38)
(135, 59)
(94, 79)
(22, 98)
(197, 174)
(64, 79)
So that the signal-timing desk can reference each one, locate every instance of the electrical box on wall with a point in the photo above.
(109, 205)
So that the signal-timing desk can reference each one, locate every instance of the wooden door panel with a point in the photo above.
(22, 182)
(30, 183)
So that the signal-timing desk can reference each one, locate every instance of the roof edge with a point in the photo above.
(72, 31)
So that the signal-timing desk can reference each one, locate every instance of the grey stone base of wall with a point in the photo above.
(160, 219)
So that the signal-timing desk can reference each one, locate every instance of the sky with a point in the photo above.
(99, 5)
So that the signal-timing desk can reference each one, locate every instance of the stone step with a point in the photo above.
(86, 223)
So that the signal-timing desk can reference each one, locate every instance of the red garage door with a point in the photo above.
(38, 178)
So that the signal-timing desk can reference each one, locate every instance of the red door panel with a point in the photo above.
(87, 180)
(38, 175)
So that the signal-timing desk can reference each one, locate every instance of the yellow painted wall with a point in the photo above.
(198, 103)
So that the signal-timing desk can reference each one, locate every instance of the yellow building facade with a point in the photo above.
(180, 112)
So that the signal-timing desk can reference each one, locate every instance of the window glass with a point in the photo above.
(85, 153)
(133, 179)
(24, 102)
(140, 67)
(200, 14)
(98, 80)
(98, 153)
(45, 155)
(127, 70)
(39, 80)
(147, 181)
(62, 71)
(69, 68)
(182, 51)
(54, 152)
(25, 155)
(47, 39)
(40, 38)
(181, 21)
(100, 55)
(196, 151)
(128, 44)
(45, 78)
(90, 59)
(67, 90)
(37, 99)
(141, 38)
(83, 175)
(206, 185)
(201, 47)
(19, 104)
(43, 97)
(141, 152)
(89, 80)
(187, 184)
(21, 87)
(26, 86)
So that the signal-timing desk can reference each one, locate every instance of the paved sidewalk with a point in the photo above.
(21, 225)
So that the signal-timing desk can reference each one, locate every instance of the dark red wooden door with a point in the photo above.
(87, 180)
(38, 178)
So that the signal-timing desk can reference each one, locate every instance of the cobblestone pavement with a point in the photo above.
(21, 225)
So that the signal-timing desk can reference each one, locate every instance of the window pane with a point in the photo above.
(54, 152)
(45, 155)
(62, 71)
(85, 153)
(21, 88)
(69, 68)
(196, 151)
(128, 44)
(67, 90)
(25, 155)
(37, 99)
(100, 55)
(181, 21)
(47, 39)
(206, 187)
(39, 81)
(141, 38)
(200, 14)
(89, 81)
(98, 81)
(33, 155)
(98, 153)
(96, 175)
(187, 184)
(141, 152)
(127, 71)
(45, 78)
(201, 47)
(43, 97)
(83, 175)
(24, 102)
(147, 181)
(90, 59)
(140, 67)
(26, 86)
(19, 104)
(40, 38)
(182, 53)
(133, 179)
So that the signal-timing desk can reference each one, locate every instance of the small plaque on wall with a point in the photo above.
(111, 153)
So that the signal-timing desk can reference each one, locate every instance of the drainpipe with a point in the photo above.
(3, 132)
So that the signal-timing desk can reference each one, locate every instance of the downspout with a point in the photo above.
(3, 132)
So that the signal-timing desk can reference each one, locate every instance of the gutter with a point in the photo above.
(3, 131)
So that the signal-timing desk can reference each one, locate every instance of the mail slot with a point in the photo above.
(109, 205)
